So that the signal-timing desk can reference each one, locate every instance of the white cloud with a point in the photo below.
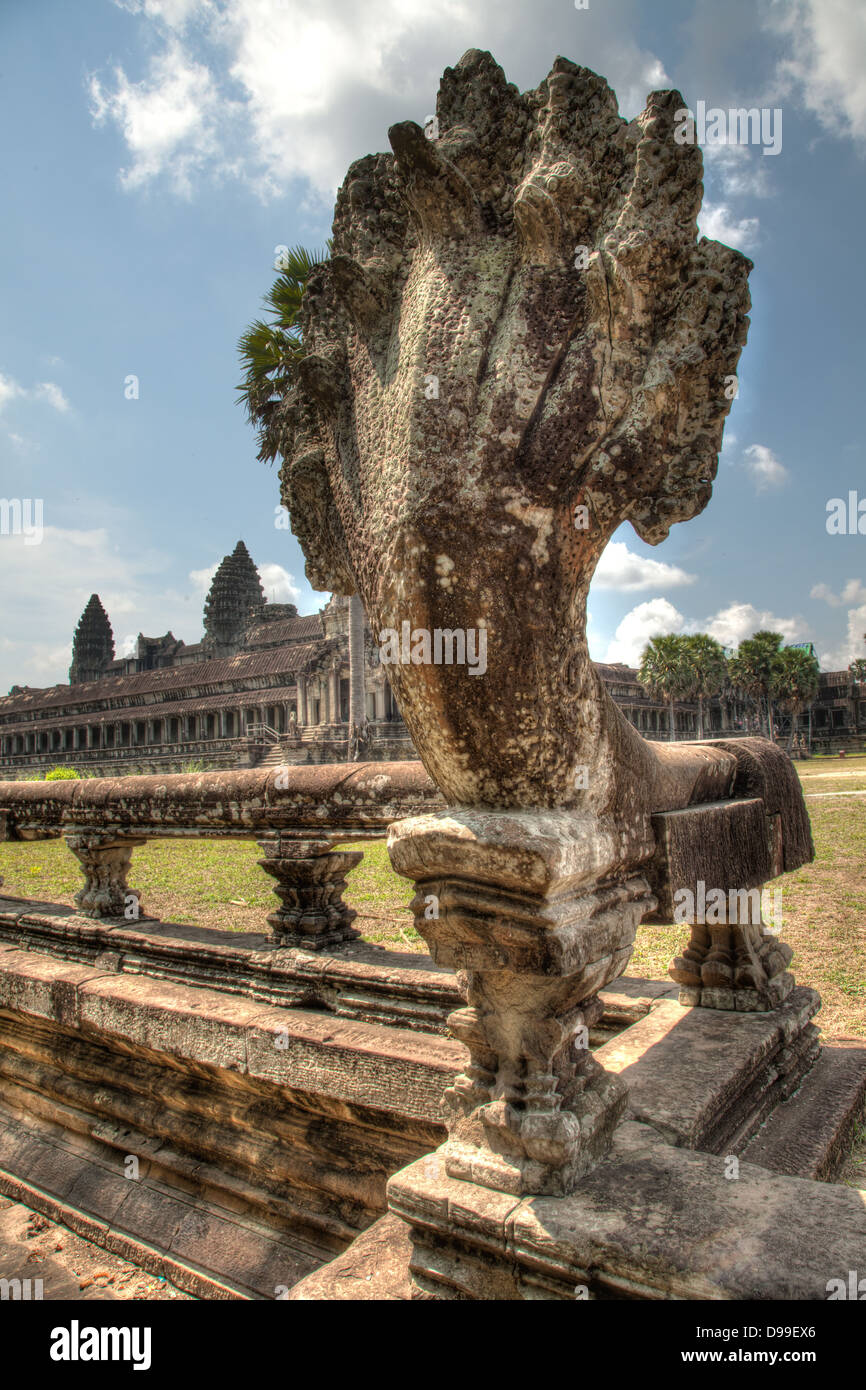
(729, 447)
(54, 581)
(201, 580)
(657, 617)
(273, 90)
(9, 390)
(765, 468)
(739, 620)
(741, 170)
(717, 223)
(278, 584)
(169, 119)
(823, 591)
(50, 392)
(854, 645)
(622, 570)
(853, 592)
(826, 63)
(44, 391)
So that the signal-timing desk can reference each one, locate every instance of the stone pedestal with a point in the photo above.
(105, 861)
(733, 965)
(517, 902)
(310, 880)
(709, 869)
(650, 1222)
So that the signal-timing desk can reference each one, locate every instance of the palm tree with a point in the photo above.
(708, 668)
(795, 683)
(753, 668)
(269, 351)
(664, 671)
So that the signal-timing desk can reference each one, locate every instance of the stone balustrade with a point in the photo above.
(297, 815)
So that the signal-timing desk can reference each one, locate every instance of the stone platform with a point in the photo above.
(650, 1222)
(265, 1135)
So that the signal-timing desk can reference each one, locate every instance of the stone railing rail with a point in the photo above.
(297, 815)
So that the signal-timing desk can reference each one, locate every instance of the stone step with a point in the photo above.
(808, 1135)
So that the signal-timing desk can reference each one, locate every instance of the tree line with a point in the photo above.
(696, 667)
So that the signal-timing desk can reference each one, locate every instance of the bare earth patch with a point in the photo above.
(33, 1247)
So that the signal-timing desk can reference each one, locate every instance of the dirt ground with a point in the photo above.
(32, 1247)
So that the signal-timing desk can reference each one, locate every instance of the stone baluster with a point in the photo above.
(310, 880)
(709, 870)
(515, 903)
(105, 860)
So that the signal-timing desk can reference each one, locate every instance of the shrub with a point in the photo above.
(61, 774)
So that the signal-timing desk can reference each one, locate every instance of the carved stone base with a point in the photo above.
(511, 901)
(310, 880)
(729, 966)
(105, 862)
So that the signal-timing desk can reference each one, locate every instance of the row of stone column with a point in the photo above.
(310, 878)
(227, 723)
(326, 689)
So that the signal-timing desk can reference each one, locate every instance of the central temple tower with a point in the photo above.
(236, 589)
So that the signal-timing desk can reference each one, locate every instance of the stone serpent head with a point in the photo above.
(518, 343)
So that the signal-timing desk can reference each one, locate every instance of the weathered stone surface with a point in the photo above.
(310, 881)
(374, 1268)
(330, 798)
(808, 1136)
(93, 643)
(105, 861)
(708, 869)
(206, 1250)
(558, 387)
(650, 1221)
(522, 908)
(705, 1079)
(363, 981)
(235, 594)
(288, 1119)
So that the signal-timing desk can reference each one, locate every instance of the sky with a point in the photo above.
(156, 153)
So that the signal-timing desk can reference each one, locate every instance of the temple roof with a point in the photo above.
(285, 630)
(247, 666)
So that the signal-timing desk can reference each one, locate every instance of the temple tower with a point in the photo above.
(236, 589)
(92, 645)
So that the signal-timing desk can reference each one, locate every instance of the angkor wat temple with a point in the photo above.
(263, 685)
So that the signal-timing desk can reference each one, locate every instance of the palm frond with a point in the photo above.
(269, 350)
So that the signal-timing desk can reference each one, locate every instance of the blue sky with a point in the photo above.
(156, 152)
